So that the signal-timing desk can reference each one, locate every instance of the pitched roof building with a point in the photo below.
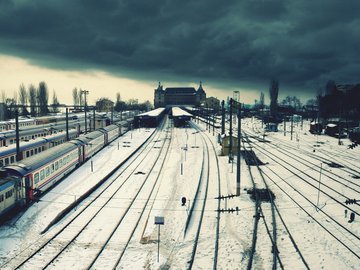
(178, 96)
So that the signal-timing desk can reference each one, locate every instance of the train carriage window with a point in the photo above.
(27, 153)
(32, 152)
(42, 175)
(8, 194)
(36, 178)
(52, 168)
(47, 171)
(43, 148)
(39, 149)
(11, 141)
(12, 159)
(6, 161)
(36, 151)
(1, 163)
(56, 165)
(1, 197)
(64, 160)
(60, 163)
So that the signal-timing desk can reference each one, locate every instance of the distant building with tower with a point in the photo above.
(179, 96)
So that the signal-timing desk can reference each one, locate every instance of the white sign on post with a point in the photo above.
(159, 220)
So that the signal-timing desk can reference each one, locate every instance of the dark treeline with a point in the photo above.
(333, 102)
(33, 101)
(340, 101)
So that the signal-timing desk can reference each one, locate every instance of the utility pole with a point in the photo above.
(284, 125)
(94, 118)
(230, 132)
(317, 203)
(67, 125)
(292, 124)
(208, 118)
(222, 117)
(17, 135)
(238, 151)
(213, 122)
(112, 115)
(85, 92)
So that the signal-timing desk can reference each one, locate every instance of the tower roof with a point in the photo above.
(200, 87)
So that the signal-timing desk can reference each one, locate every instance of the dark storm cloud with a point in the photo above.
(300, 42)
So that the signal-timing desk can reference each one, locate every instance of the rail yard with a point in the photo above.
(297, 207)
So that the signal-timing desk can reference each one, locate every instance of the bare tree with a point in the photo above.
(43, 97)
(262, 100)
(292, 101)
(55, 103)
(10, 104)
(23, 99)
(274, 92)
(32, 99)
(3, 96)
(75, 96)
(118, 97)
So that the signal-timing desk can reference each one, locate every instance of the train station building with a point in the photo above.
(178, 96)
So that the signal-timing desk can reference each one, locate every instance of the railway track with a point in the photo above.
(312, 181)
(204, 239)
(42, 251)
(201, 227)
(336, 229)
(326, 155)
(259, 212)
(329, 174)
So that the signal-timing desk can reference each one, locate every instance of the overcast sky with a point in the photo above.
(130, 45)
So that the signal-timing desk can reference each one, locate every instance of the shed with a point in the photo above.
(225, 145)
(272, 127)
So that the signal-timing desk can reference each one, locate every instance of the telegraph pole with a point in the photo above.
(213, 122)
(238, 151)
(222, 117)
(85, 92)
(17, 135)
(94, 118)
(284, 125)
(292, 124)
(67, 124)
(230, 133)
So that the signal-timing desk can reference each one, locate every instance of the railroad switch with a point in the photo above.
(230, 210)
(258, 216)
(351, 201)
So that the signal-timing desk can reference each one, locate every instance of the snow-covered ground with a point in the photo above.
(292, 170)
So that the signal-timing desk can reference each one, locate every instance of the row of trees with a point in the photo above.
(120, 105)
(33, 101)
